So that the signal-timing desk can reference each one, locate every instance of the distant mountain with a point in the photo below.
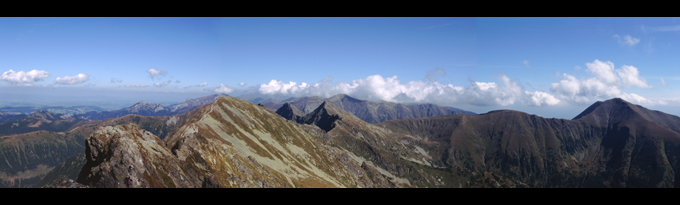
(148, 109)
(50, 116)
(40, 120)
(371, 112)
(4, 117)
(80, 109)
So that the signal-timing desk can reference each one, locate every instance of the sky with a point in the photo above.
(551, 67)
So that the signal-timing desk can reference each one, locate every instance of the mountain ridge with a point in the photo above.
(372, 112)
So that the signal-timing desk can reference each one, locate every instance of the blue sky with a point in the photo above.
(553, 67)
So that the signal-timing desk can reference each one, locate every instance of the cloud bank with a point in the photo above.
(390, 89)
(15, 77)
(604, 82)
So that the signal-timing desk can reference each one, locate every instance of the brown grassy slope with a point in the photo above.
(234, 143)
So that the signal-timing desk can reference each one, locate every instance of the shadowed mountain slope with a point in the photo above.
(290, 112)
(26, 158)
(612, 144)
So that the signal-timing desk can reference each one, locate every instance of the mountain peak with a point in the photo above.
(613, 110)
(290, 112)
(323, 116)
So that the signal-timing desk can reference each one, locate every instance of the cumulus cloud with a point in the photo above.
(222, 89)
(162, 84)
(606, 83)
(72, 80)
(390, 89)
(626, 40)
(242, 84)
(136, 85)
(15, 77)
(155, 72)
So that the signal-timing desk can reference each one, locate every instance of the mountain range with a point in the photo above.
(230, 142)
(153, 109)
(371, 112)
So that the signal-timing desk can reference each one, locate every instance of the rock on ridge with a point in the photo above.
(125, 151)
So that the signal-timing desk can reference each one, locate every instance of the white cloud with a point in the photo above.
(15, 77)
(72, 80)
(162, 84)
(606, 83)
(241, 84)
(626, 40)
(631, 77)
(202, 84)
(663, 82)
(155, 72)
(136, 85)
(222, 89)
(603, 71)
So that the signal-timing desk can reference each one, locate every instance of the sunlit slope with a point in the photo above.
(234, 143)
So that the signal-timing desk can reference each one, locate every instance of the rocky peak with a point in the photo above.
(324, 116)
(290, 112)
(115, 154)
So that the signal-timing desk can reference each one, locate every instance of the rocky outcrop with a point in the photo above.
(115, 154)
